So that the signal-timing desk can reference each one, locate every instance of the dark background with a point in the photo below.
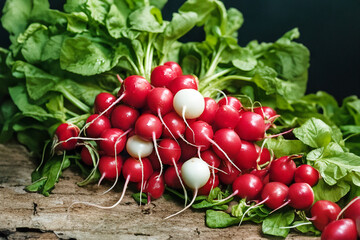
(329, 28)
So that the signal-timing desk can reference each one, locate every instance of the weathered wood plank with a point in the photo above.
(33, 216)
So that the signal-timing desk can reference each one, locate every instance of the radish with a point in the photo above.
(124, 117)
(112, 141)
(231, 101)
(169, 151)
(211, 158)
(189, 103)
(195, 173)
(97, 125)
(301, 196)
(162, 75)
(138, 147)
(352, 211)
(160, 101)
(154, 187)
(66, 136)
(266, 112)
(183, 82)
(212, 183)
(265, 155)
(228, 173)
(175, 126)
(86, 156)
(247, 186)
(250, 126)
(282, 170)
(247, 156)
(306, 173)
(323, 212)
(134, 91)
(210, 110)
(340, 230)
(110, 167)
(274, 194)
(171, 177)
(226, 117)
(199, 134)
(103, 101)
(187, 151)
(175, 67)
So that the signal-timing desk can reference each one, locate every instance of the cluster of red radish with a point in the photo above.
(202, 143)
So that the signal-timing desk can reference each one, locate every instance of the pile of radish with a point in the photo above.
(163, 132)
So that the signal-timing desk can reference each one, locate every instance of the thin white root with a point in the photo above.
(186, 207)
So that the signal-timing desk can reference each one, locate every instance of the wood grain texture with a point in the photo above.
(26, 215)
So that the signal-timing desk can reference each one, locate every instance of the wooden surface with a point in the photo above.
(26, 215)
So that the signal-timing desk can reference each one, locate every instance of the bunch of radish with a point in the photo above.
(165, 133)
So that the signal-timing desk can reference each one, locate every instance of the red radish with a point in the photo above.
(352, 211)
(175, 126)
(187, 151)
(301, 196)
(274, 194)
(199, 133)
(251, 126)
(154, 186)
(183, 82)
(282, 170)
(265, 155)
(102, 102)
(212, 183)
(113, 141)
(154, 161)
(110, 167)
(226, 117)
(169, 151)
(175, 67)
(263, 174)
(211, 158)
(148, 127)
(210, 110)
(247, 186)
(137, 171)
(189, 103)
(231, 101)
(160, 101)
(340, 230)
(162, 75)
(247, 156)
(226, 144)
(228, 173)
(66, 136)
(171, 177)
(266, 112)
(124, 117)
(86, 156)
(134, 91)
(323, 212)
(97, 125)
(195, 173)
(306, 173)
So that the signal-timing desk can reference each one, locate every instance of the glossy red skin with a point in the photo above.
(353, 212)
(301, 196)
(226, 117)
(175, 124)
(86, 156)
(265, 155)
(170, 177)
(265, 112)
(209, 185)
(210, 110)
(343, 229)
(183, 82)
(146, 125)
(102, 102)
(282, 170)
(200, 134)
(154, 186)
(160, 100)
(277, 193)
(124, 117)
(261, 173)
(307, 174)
(154, 161)
(228, 141)
(135, 89)
(248, 186)
(169, 151)
(132, 168)
(211, 158)
(95, 129)
(162, 75)
(231, 101)
(174, 66)
(247, 156)
(231, 173)
(324, 212)
(112, 137)
(187, 151)
(107, 166)
(250, 126)
(65, 131)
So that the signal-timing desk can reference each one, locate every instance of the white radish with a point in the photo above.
(138, 147)
(189, 103)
